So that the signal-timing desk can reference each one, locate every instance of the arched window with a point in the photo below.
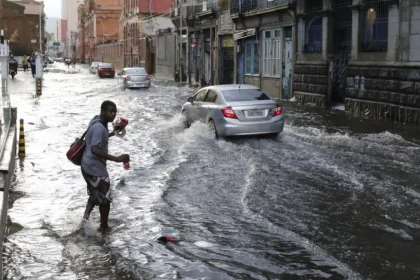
(313, 35)
(374, 27)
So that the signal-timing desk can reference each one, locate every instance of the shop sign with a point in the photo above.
(227, 41)
(243, 34)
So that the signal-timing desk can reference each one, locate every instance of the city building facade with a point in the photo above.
(264, 44)
(364, 54)
(98, 25)
(24, 26)
(141, 22)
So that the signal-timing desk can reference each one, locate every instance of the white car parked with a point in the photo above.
(94, 67)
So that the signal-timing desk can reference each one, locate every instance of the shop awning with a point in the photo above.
(243, 34)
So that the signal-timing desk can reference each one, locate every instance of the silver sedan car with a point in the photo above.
(135, 77)
(232, 110)
(94, 67)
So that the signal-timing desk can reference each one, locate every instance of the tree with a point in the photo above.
(91, 5)
(49, 36)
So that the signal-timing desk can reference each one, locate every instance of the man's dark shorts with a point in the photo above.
(98, 189)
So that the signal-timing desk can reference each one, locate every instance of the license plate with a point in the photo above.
(255, 113)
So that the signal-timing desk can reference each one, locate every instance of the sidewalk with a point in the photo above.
(7, 168)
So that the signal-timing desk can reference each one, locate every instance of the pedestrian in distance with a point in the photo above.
(32, 62)
(94, 163)
(68, 62)
(25, 63)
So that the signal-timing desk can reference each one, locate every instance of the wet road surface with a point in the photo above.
(331, 198)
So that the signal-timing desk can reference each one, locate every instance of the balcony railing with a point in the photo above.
(193, 7)
(243, 6)
(197, 7)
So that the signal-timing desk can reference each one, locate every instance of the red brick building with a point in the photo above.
(91, 36)
(20, 28)
(138, 46)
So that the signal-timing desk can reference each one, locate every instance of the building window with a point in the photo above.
(374, 31)
(342, 18)
(271, 53)
(252, 58)
(313, 35)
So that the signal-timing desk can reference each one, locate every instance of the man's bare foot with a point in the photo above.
(105, 229)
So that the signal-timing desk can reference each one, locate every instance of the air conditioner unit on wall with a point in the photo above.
(204, 6)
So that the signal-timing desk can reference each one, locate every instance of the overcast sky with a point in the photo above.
(53, 8)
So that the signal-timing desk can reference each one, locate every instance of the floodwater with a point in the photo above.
(331, 198)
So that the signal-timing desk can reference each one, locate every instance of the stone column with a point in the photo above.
(291, 89)
(300, 38)
(187, 57)
(393, 32)
(300, 7)
(300, 29)
(235, 61)
(325, 36)
(326, 29)
(355, 33)
(211, 58)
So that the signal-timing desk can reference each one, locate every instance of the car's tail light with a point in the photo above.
(278, 111)
(229, 113)
(128, 78)
(148, 77)
(112, 69)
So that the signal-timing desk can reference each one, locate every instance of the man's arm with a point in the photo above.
(97, 151)
(96, 139)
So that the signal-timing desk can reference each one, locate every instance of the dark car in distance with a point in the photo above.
(106, 70)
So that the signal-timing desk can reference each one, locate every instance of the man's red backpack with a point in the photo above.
(75, 153)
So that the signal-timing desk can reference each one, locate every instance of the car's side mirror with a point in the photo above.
(190, 99)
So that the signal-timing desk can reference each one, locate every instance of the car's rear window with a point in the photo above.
(106, 65)
(95, 63)
(244, 95)
(136, 71)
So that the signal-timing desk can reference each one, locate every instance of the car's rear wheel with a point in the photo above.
(212, 127)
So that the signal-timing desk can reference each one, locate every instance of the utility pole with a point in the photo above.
(94, 35)
(94, 27)
(180, 42)
(40, 28)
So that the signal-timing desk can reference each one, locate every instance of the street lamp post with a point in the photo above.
(40, 26)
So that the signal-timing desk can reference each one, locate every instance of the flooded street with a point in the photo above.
(331, 198)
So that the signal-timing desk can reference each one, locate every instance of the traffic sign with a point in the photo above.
(33, 41)
(56, 44)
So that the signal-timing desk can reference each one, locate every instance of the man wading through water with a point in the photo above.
(94, 163)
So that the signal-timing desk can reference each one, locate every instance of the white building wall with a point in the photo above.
(69, 12)
(59, 35)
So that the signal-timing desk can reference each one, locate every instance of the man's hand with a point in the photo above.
(123, 158)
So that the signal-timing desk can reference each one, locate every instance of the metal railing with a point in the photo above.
(243, 6)
(193, 7)
(6, 113)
